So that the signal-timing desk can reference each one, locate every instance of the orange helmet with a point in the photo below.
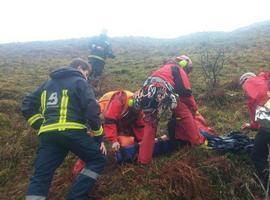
(184, 62)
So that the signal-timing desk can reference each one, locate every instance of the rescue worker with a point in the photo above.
(168, 87)
(257, 90)
(186, 64)
(62, 109)
(123, 125)
(121, 118)
(100, 49)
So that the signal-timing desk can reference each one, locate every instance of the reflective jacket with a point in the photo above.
(177, 77)
(64, 102)
(256, 91)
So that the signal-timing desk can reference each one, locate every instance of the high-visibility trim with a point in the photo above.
(97, 57)
(34, 197)
(43, 101)
(98, 132)
(61, 127)
(63, 107)
(34, 118)
(89, 173)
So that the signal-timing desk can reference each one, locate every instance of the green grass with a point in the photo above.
(24, 66)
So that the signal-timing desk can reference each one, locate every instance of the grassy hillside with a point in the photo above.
(196, 173)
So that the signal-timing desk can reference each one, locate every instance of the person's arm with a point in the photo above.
(183, 88)
(32, 108)
(91, 109)
(191, 103)
(252, 94)
(252, 109)
(112, 116)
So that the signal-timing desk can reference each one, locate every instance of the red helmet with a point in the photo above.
(184, 62)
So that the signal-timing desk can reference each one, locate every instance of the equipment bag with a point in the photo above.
(234, 142)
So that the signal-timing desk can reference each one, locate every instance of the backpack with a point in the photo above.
(107, 97)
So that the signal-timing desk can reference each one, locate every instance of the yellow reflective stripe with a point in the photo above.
(97, 57)
(61, 127)
(98, 132)
(43, 101)
(34, 118)
(63, 107)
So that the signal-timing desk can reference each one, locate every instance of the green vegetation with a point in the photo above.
(188, 174)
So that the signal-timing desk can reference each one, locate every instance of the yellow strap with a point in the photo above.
(43, 101)
(61, 127)
(98, 132)
(63, 107)
(34, 118)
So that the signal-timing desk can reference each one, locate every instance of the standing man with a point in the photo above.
(100, 50)
(257, 91)
(62, 109)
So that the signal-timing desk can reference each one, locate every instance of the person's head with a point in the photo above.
(245, 76)
(184, 62)
(81, 65)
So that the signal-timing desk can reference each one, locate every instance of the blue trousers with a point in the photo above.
(52, 150)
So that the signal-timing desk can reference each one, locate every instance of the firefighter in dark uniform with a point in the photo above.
(62, 109)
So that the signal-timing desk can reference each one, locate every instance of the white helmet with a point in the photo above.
(245, 76)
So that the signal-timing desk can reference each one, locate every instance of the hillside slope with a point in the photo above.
(188, 174)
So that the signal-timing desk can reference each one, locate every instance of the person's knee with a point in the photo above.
(98, 164)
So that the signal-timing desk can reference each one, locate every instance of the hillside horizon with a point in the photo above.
(190, 173)
(199, 34)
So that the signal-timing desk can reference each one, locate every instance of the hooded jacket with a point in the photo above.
(64, 102)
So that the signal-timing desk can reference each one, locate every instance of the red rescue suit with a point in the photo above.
(256, 90)
(121, 119)
(186, 127)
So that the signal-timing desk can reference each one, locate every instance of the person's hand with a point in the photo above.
(116, 146)
(197, 113)
(103, 148)
(246, 126)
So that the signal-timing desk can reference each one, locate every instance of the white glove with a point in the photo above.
(103, 148)
(245, 126)
(116, 146)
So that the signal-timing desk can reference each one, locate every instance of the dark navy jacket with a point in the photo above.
(66, 101)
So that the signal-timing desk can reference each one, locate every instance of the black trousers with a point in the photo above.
(52, 150)
(260, 154)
